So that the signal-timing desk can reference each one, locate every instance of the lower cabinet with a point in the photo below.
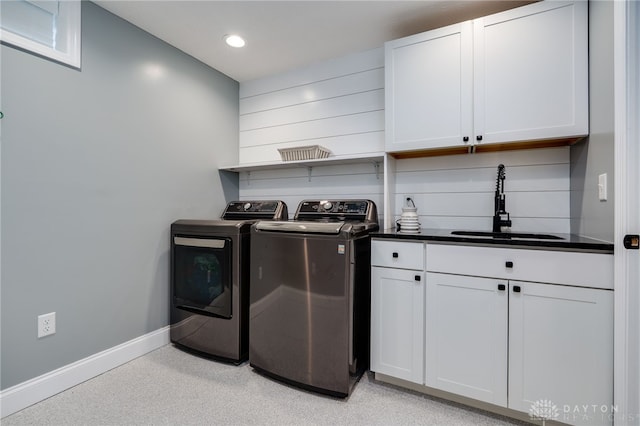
(543, 345)
(397, 328)
(466, 337)
(533, 345)
(561, 351)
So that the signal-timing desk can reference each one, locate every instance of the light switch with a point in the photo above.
(602, 187)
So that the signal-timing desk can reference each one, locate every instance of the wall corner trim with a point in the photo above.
(42, 387)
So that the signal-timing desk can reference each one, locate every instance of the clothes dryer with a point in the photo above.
(210, 280)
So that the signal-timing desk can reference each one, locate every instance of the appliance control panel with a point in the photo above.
(330, 206)
(252, 206)
(340, 209)
(266, 209)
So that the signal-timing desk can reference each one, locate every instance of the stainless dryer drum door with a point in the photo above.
(300, 308)
(202, 275)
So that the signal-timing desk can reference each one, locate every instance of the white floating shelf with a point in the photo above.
(375, 157)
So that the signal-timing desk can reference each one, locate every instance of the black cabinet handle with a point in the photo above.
(465, 139)
(395, 255)
(516, 289)
(501, 287)
(479, 138)
(509, 264)
(417, 278)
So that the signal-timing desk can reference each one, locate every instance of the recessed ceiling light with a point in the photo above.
(234, 40)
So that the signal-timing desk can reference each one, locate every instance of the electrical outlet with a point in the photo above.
(46, 324)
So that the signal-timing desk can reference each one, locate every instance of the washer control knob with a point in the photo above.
(246, 206)
(327, 206)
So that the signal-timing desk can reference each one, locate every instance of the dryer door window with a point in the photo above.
(202, 275)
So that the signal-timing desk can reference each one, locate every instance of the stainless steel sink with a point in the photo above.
(507, 235)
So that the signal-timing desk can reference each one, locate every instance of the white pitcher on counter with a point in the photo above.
(408, 222)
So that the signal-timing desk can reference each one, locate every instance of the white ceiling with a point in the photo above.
(284, 35)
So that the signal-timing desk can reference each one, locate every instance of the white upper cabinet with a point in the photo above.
(531, 73)
(428, 92)
(519, 75)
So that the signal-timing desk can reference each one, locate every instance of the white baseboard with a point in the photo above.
(40, 388)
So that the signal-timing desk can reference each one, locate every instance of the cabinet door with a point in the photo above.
(397, 323)
(428, 90)
(466, 336)
(531, 73)
(561, 351)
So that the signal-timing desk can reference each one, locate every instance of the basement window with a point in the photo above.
(47, 28)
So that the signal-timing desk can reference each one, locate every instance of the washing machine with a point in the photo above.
(210, 280)
(310, 295)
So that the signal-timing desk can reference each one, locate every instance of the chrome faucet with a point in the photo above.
(501, 218)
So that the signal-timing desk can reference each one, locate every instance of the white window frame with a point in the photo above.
(68, 20)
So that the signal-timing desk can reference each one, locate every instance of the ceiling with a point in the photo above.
(284, 35)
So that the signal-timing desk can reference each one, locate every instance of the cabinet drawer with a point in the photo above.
(569, 268)
(397, 254)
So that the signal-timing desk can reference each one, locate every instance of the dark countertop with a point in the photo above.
(569, 242)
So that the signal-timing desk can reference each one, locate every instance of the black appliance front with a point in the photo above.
(310, 295)
(309, 310)
(210, 280)
(202, 275)
(209, 306)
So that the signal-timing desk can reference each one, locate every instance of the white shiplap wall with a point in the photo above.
(457, 192)
(339, 104)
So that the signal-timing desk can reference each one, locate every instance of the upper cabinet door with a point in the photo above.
(428, 93)
(531, 73)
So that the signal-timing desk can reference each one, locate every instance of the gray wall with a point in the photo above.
(589, 216)
(96, 164)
